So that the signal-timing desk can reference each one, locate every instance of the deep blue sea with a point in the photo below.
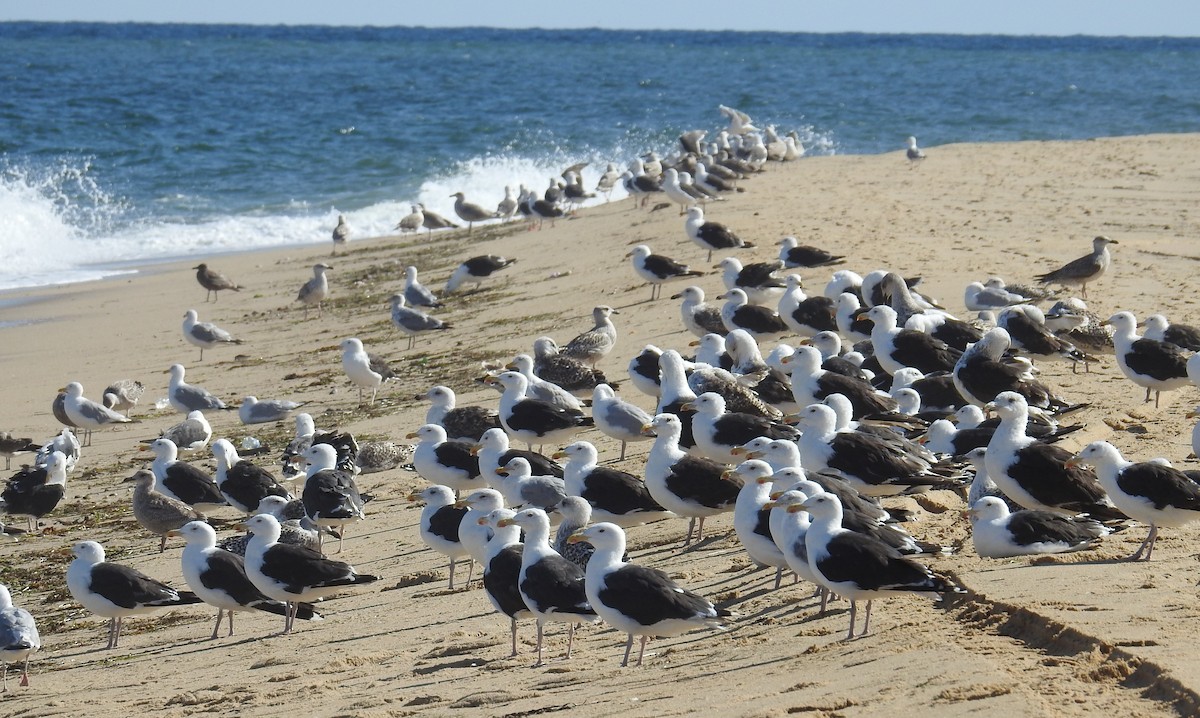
(127, 142)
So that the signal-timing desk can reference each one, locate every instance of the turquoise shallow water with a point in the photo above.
(128, 142)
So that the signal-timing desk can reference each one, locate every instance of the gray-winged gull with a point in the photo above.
(413, 321)
(315, 290)
(87, 414)
(205, 335)
(186, 397)
(254, 411)
(18, 638)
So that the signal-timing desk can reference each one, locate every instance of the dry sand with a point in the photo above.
(1082, 635)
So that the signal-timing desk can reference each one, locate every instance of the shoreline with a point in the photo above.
(1028, 642)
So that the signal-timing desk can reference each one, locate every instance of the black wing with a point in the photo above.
(617, 492)
(700, 480)
(648, 596)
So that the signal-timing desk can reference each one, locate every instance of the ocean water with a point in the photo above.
(124, 143)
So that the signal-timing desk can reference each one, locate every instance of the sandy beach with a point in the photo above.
(1081, 634)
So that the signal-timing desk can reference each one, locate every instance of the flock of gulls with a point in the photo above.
(797, 411)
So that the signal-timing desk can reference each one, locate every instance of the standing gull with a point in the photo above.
(592, 345)
(35, 491)
(615, 496)
(913, 153)
(181, 481)
(18, 638)
(757, 279)
(439, 526)
(213, 281)
(219, 578)
(571, 374)
(502, 569)
(11, 445)
(1184, 336)
(315, 290)
(363, 372)
(551, 586)
(446, 462)
(1152, 492)
(243, 484)
(413, 321)
(618, 419)
(658, 269)
(87, 414)
(1156, 365)
(712, 236)
(115, 591)
(1079, 272)
(692, 487)
(293, 574)
(413, 221)
(530, 420)
(187, 398)
(739, 313)
(856, 566)
(156, 512)
(432, 220)
(475, 270)
(341, 234)
(123, 394)
(698, 317)
(330, 496)
(469, 212)
(190, 434)
(415, 293)
(521, 488)
(639, 601)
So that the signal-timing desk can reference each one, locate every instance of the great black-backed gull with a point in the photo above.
(997, 533)
(913, 153)
(712, 236)
(187, 397)
(35, 491)
(795, 255)
(293, 574)
(475, 271)
(806, 315)
(213, 281)
(182, 481)
(1088, 268)
(115, 591)
(896, 348)
(219, 578)
(872, 464)
(692, 487)
(447, 462)
(982, 373)
(658, 269)
(615, 496)
(1184, 336)
(739, 313)
(493, 452)
(757, 279)
(751, 516)
(1038, 475)
(1152, 492)
(675, 394)
(243, 484)
(551, 586)
(87, 414)
(533, 421)
(718, 432)
(315, 290)
(466, 423)
(859, 567)
(1155, 365)
(502, 569)
(811, 383)
(19, 638)
(205, 335)
(330, 496)
(636, 600)
(1026, 327)
(439, 526)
